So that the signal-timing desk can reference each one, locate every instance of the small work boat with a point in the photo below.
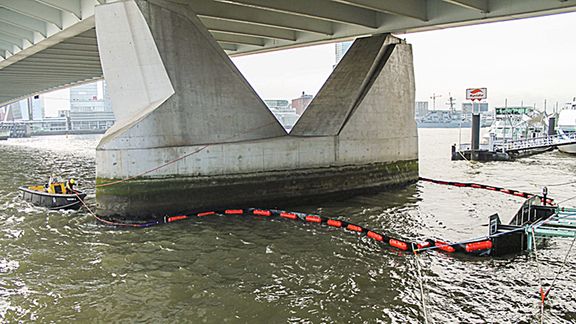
(55, 197)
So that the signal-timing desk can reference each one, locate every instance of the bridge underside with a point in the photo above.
(64, 30)
(192, 134)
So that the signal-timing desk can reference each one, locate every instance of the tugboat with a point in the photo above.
(54, 195)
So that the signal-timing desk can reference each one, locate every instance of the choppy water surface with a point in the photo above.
(64, 266)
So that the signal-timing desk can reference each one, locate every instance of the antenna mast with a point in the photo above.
(451, 102)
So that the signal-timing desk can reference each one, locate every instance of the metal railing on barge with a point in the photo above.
(561, 224)
(525, 144)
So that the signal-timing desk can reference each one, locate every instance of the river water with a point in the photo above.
(65, 266)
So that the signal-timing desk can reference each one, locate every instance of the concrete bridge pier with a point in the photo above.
(192, 134)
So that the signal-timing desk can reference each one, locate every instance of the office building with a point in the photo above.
(421, 109)
(89, 112)
(285, 114)
(479, 107)
(301, 103)
(341, 49)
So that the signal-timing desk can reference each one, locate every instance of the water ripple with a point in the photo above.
(64, 266)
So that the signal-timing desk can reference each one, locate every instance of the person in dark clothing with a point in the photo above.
(70, 186)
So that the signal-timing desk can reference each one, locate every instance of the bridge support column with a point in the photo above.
(475, 155)
(192, 134)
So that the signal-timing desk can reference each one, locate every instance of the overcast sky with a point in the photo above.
(526, 60)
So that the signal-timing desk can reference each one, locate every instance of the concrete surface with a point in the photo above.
(342, 92)
(212, 102)
(363, 139)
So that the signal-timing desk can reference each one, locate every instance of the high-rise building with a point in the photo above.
(17, 111)
(279, 104)
(421, 109)
(285, 114)
(477, 107)
(37, 110)
(88, 112)
(27, 109)
(301, 103)
(341, 49)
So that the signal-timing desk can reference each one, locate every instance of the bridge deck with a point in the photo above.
(42, 41)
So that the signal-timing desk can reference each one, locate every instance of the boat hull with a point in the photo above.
(53, 201)
(567, 148)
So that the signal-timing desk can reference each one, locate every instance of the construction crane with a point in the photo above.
(434, 96)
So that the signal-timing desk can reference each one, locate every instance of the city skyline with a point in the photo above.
(524, 61)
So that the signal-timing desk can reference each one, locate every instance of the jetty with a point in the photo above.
(507, 150)
(562, 224)
(533, 221)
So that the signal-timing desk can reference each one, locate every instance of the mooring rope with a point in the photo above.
(542, 295)
(474, 185)
(421, 282)
(560, 269)
(180, 157)
(566, 200)
(462, 155)
(111, 223)
(560, 184)
(153, 169)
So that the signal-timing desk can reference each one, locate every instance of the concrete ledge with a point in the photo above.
(157, 197)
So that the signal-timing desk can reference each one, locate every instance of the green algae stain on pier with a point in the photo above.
(142, 197)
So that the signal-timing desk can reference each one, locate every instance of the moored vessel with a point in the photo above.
(567, 125)
(54, 196)
(517, 123)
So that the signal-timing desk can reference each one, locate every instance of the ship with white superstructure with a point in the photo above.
(567, 125)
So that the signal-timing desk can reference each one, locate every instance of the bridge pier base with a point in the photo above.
(192, 134)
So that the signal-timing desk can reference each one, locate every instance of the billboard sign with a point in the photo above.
(513, 111)
(476, 94)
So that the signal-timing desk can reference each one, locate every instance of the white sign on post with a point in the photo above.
(476, 94)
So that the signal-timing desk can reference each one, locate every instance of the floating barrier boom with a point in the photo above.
(538, 216)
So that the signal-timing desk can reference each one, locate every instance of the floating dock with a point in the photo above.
(561, 224)
(502, 150)
(533, 221)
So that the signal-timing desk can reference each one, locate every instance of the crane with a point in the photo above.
(434, 96)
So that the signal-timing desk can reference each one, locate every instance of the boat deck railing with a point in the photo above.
(468, 147)
(525, 144)
(537, 142)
